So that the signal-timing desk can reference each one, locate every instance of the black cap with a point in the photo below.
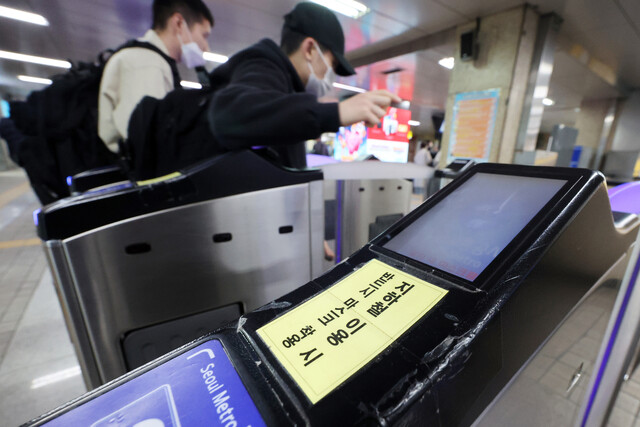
(320, 23)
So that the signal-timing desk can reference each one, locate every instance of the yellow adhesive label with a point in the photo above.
(327, 339)
(159, 179)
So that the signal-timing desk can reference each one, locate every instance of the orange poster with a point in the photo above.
(474, 119)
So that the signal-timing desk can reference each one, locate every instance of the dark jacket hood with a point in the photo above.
(264, 48)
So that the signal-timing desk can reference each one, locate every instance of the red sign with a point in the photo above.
(394, 126)
(401, 82)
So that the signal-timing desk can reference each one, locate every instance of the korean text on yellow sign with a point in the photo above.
(324, 341)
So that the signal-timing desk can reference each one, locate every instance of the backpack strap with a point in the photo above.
(147, 45)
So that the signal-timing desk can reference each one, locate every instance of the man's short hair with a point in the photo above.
(193, 11)
(290, 41)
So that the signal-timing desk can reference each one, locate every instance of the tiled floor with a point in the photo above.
(38, 367)
(540, 396)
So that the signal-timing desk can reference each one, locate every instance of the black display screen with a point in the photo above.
(456, 165)
(469, 228)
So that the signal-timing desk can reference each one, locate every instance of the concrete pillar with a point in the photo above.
(519, 100)
(627, 132)
(594, 127)
(507, 51)
(590, 122)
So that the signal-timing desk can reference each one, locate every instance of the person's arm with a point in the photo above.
(256, 108)
(369, 107)
(135, 84)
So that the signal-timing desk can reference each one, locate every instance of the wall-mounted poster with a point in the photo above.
(473, 123)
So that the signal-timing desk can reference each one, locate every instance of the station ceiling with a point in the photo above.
(79, 29)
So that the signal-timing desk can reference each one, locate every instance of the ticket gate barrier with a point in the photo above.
(626, 198)
(567, 381)
(362, 199)
(142, 269)
(95, 178)
(444, 176)
(408, 330)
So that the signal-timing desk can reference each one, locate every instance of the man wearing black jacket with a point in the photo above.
(270, 95)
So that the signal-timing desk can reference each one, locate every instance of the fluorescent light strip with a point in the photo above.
(190, 85)
(38, 80)
(350, 8)
(347, 87)
(541, 91)
(354, 4)
(215, 57)
(55, 377)
(447, 62)
(20, 15)
(34, 59)
(548, 102)
(414, 123)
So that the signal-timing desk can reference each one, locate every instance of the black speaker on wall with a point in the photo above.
(469, 43)
(467, 46)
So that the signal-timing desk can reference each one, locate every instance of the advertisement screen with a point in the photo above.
(351, 143)
(469, 228)
(388, 141)
(4, 108)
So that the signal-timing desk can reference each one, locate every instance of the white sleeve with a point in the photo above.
(135, 84)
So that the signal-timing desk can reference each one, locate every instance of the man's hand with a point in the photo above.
(369, 107)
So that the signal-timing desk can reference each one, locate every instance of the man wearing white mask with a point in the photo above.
(179, 33)
(269, 95)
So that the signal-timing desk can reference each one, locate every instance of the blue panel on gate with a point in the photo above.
(575, 157)
(199, 387)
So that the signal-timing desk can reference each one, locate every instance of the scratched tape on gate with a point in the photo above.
(324, 341)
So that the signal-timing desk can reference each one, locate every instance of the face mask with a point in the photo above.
(191, 55)
(319, 87)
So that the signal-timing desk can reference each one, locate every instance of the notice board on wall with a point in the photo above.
(473, 124)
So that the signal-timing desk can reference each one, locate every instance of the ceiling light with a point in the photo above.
(541, 91)
(414, 123)
(55, 377)
(215, 57)
(21, 15)
(548, 102)
(350, 8)
(347, 87)
(393, 70)
(447, 62)
(34, 59)
(190, 85)
(38, 80)
(577, 110)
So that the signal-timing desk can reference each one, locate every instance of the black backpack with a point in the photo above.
(60, 126)
(166, 135)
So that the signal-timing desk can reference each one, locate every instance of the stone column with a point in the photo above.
(513, 58)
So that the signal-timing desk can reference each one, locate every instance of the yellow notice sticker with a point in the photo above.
(327, 339)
